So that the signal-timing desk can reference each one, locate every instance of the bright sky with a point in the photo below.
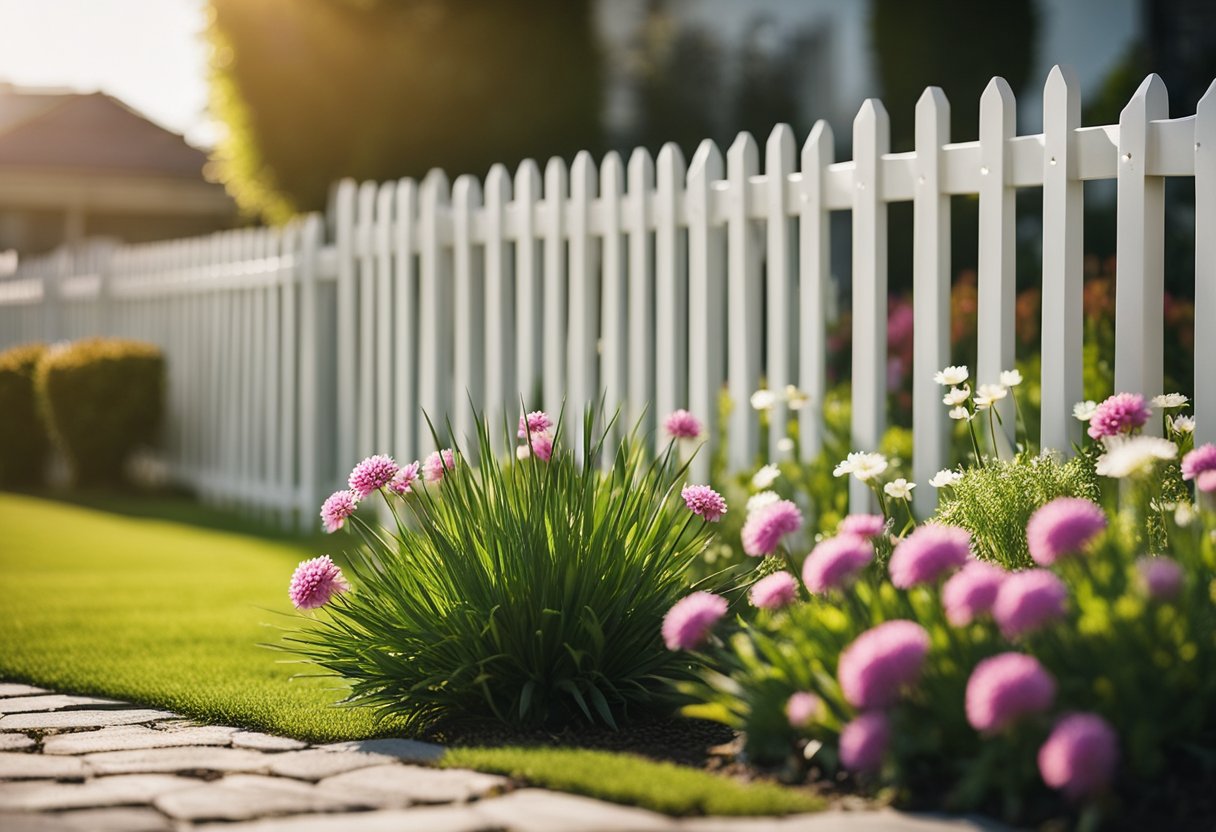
(149, 53)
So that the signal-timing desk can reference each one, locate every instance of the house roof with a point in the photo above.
(89, 133)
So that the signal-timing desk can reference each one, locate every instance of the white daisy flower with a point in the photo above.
(785, 444)
(1127, 456)
(945, 478)
(861, 465)
(951, 376)
(797, 399)
(766, 476)
(957, 396)
(1011, 378)
(959, 413)
(763, 400)
(900, 489)
(989, 394)
(1183, 424)
(1084, 411)
(1167, 401)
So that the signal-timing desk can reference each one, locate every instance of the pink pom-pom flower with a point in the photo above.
(864, 741)
(766, 526)
(971, 592)
(1199, 461)
(928, 553)
(772, 592)
(315, 582)
(538, 421)
(372, 474)
(1004, 688)
(1121, 413)
(542, 446)
(862, 525)
(681, 424)
(438, 464)
(1028, 601)
(1162, 577)
(704, 502)
(835, 562)
(802, 708)
(336, 508)
(881, 662)
(690, 619)
(1080, 755)
(1063, 527)
(405, 479)
(1205, 481)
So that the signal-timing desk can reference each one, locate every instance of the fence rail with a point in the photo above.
(657, 283)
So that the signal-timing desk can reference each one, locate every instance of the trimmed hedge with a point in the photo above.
(101, 399)
(24, 443)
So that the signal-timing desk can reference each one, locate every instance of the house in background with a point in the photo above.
(78, 166)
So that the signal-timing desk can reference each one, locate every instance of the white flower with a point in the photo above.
(785, 444)
(956, 396)
(989, 394)
(766, 476)
(959, 413)
(1011, 378)
(762, 499)
(1167, 401)
(1084, 411)
(763, 400)
(900, 489)
(1129, 455)
(945, 478)
(796, 398)
(523, 452)
(951, 376)
(1184, 514)
(861, 465)
(1182, 424)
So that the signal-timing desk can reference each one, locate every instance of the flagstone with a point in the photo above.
(15, 742)
(14, 689)
(53, 702)
(16, 765)
(319, 763)
(99, 792)
(246, 797)
(410, 751)
(401, 785)
(181, 760)
(430, 818)
(120, 819)
(265, 742)
(78, 719)
(131, 737)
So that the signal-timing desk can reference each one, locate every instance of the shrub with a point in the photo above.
(101, 398)
(23, 439)
(530, 592)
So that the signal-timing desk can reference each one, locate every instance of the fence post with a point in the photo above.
(670, 291)
(1063, 279)
(997, 278)
(814, 254)
(500, 318)
(779, 238)
(1205, 267)
(1140, 249)
(706, 303)
(743, 301)
(930, 295)
(641, 289)
(871, 139)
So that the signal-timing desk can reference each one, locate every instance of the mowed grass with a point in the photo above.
(120, 602)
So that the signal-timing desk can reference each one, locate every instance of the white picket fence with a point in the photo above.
(293, 352)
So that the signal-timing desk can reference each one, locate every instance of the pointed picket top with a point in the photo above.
(640, 168)
(670, 159)
(556, 178)
(871, 112)
(1150, 96)
(933, 109)
(780, 141)
(435, 181)
(706, 162)
(583, 168)
(821, 136)
(997, 93)
(1061, 81)
(527, 178)
(612, 172)
(498, 185)
(466, 191)
(743, 150)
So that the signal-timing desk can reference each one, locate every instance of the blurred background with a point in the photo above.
(184, 116)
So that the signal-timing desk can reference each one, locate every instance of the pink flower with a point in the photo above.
(1199, 461)
(1206, 481)
(1005, 687)
(542, 446)
(315, 582)
(834, 562)
(1121, 413)
(704, 502)
(1080, 755)
(336, 508)
(682, 425)
(1027, 601)
(802, 708)
(864, 741)
(405, 479)
(1063, 527)
(538, 421)
(690, 619)
(774, 591)
(862, 525)
(928, 553)
(372, 474)
(881, 662)
(766, 526)
(971, 592)
(437, 464)
(1162, 577)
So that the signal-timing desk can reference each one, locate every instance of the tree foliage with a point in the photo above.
(311, 91)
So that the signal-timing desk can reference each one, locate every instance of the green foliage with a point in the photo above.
(994, 501)
(101, 398)
(531, 593)
(623, 778)
(23, 439)
(311, 91)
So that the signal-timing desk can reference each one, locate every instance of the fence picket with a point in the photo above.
(529, 309)
(344, 236)
(641, 290)
(554, 291)
(468, 325)
(743, 301)
(500, 395)
(613, 309)
(670, 287)
(814, 257)
(1205, 266)
(582, 361)
(779, 283)
(405, 318)
(434, 313)
(706, 300)
(386, 371)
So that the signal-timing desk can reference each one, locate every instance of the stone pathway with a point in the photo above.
(78, 763)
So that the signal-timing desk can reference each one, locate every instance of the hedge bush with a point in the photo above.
(101, 398)
(23, 438)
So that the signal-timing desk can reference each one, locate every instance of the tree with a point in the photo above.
(311, 91)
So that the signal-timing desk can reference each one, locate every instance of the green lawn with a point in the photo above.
(107, 597)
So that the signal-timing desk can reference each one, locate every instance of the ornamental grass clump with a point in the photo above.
(531, 591)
